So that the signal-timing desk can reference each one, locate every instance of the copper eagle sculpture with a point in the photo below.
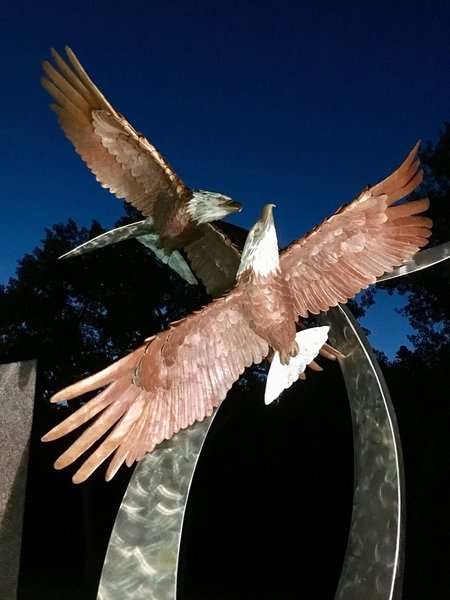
(180, 375)
(125, 162)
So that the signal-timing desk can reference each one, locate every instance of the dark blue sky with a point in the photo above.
(297, 103)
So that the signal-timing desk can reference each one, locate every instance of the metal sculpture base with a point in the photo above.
(142, 557)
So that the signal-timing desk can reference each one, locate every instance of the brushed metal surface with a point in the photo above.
(421, 260)
(373, 564)
(142, 556)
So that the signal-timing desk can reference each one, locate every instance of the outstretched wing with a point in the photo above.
(120, 157)
(359, 243)
(176, 378)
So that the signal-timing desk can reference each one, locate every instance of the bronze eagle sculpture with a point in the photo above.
(180, 375)
(125, 162)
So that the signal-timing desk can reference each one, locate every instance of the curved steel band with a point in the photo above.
(421, 260)
(373, 564)
(142, 556)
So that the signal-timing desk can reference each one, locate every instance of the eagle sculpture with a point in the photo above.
(180, 375)
(177, 218)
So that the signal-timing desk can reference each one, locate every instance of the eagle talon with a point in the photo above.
(294, 349)
(286, 355)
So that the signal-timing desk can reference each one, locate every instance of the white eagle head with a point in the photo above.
(260, 253)
(205, 207)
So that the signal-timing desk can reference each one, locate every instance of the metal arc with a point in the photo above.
(373, 563)
(142, 557)
(421, 260)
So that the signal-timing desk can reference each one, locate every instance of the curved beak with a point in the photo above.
(266, 218)
(232, 206)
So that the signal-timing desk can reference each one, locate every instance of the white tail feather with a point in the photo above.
(280, 377)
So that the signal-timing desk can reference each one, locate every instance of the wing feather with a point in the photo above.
(122, 159)
(359, 243)
(176, 378)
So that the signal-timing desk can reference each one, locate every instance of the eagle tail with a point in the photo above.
(281, 377)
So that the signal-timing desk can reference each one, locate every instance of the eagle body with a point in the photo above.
(176, 226)
(178, 376)
(269, 308)
(267, 300)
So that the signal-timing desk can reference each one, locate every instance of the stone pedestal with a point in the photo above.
(17, 383)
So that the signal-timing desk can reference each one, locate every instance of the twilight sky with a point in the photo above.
(297, 103)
